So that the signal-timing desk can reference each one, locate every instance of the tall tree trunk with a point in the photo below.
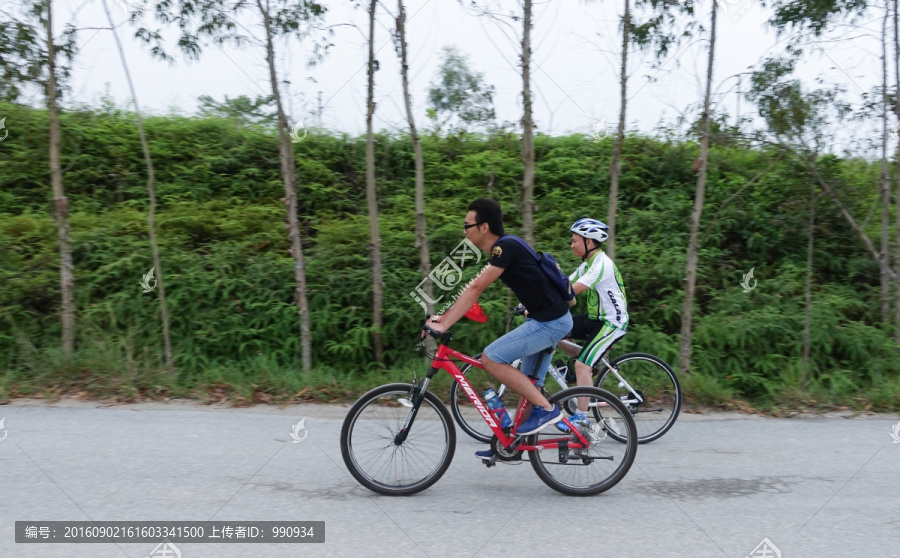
(615, 166)
(807, 314)
(527, 132)
(885, 182)
(897, 177)
(371, 201)
(289, 179)
(490, 184)
(690, 280)
(151, 193)
(66, 271)
(421, 238)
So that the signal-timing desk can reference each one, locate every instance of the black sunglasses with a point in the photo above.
(467, 226)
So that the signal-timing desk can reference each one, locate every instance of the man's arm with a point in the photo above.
(579, 288)
(468, 297)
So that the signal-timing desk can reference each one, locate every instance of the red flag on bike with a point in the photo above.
(476, 313)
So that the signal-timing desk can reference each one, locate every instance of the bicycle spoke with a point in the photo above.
(600, 465)
(649, 388)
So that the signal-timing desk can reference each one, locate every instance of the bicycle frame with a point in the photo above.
(552, 371)
(442, 361)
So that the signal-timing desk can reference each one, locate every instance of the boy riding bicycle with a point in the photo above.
(548, 322)
(606, 320)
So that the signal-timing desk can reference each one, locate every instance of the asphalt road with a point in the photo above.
(715, 486)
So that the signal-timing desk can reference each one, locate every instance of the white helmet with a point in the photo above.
(591, 228)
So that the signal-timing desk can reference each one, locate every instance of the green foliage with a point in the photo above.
(229, 277)
(241, 108)
(24, 53)
(460, 92)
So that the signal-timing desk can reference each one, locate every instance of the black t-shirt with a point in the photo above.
(525, 277)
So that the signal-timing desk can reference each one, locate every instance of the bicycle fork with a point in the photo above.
(416, 395)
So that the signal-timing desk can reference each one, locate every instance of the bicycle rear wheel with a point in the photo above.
(597, 468)
(368, 441)
(464, 412)
(656, 383)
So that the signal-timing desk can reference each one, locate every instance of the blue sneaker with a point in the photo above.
(488, 454)
(578, 419)
(485, 454)
(539, 419)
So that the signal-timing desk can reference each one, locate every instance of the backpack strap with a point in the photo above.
(524, 244)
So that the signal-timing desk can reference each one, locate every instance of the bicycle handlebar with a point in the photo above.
(444, 337)
(517, 310)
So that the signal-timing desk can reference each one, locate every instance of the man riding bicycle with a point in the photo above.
(606, 320)
(548, 322)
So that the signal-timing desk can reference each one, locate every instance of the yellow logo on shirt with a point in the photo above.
(496, 252)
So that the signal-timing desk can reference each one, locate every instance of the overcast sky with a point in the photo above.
(575, 72)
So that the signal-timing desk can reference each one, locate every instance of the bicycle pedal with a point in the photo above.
(563, 451)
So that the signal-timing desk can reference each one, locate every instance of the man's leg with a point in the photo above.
(533, 366)
(537, 364)
(529, 342)
(495, 358)
(515, 380)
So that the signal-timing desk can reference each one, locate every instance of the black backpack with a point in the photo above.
(551, 269)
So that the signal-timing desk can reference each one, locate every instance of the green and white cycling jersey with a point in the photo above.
(606, 292)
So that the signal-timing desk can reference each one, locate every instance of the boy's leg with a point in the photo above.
(582, 378)
(582, 329)
(591, 353)
(579, 331)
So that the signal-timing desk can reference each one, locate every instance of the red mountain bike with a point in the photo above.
(399, 439)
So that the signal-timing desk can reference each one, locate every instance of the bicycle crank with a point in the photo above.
(507, 454)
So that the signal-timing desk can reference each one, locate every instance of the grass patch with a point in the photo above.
(113, 368)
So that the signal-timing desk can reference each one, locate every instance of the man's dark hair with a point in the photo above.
(488, 211)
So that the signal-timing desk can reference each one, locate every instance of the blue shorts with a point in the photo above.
(529, 342)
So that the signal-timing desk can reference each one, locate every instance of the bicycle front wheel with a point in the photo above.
(600, 466)
(370, 451)
(649, 388)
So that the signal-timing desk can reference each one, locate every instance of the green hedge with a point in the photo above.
(229, 277)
